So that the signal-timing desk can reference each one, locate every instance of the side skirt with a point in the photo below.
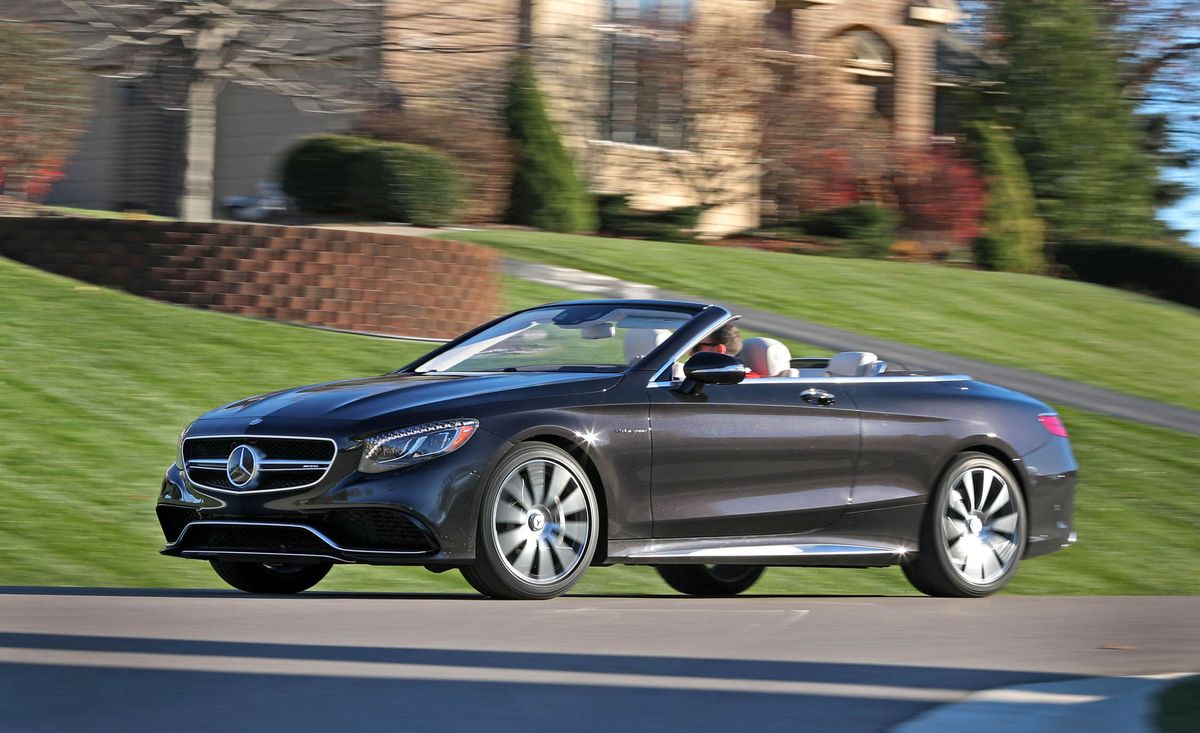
(774, 550)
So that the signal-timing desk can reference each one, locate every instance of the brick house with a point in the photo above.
(643, 116)
(641, 113)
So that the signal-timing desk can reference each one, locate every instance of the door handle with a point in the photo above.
(819, 396)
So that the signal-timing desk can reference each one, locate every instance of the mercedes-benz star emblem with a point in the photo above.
(243, 465)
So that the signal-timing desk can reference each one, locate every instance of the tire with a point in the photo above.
(710, 580)
(974, 531)
(256, 577)
(538, 526)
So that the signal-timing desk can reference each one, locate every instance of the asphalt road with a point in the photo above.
(129, 660)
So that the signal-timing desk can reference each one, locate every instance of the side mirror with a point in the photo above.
(709, 367)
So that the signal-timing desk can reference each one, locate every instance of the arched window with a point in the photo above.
(869, 62)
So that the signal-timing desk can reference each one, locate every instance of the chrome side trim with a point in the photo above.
(327, 465)
(882, 379)
(321, 537)
(747, 552)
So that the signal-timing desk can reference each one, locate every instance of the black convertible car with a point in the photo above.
(600, 432)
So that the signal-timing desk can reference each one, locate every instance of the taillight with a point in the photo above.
(1053, 424)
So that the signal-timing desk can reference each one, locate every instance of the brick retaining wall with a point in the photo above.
(362, 281)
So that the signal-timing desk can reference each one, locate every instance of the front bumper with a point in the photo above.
(426, 514)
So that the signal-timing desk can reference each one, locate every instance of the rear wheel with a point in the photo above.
(276, 578)
(710, 580)
(538, 526)
(974, 531)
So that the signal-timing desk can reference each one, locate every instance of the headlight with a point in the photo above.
(405, 447)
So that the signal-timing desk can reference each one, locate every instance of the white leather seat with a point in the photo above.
(850, 364)
(641, 341)
(767, 357)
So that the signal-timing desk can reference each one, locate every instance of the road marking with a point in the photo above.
(450, 673)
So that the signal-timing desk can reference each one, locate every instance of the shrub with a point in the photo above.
(475, 139)
(1012, 232)
(546, 193)
(409, 183)
(940, 195)
(341, 174)
(670, 225)
(316, 173)
(868, 229)
(1171, 272)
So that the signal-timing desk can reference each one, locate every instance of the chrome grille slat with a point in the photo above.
(291, 462)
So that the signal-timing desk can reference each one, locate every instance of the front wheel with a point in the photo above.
(538, 526)
(974, 531)
(710, 580)
(275, 578)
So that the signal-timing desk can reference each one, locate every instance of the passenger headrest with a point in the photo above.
(641, 341)
(767, 357)
(850, 364)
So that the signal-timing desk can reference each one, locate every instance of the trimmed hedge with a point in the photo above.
(867, 228)
(401, 182)
(1164, 271)
(342, 174)
(670, 225)
(316, 173)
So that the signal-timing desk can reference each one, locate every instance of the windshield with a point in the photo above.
(583, 338)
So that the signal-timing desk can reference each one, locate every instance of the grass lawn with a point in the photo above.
(1084, 332)
(97, 385)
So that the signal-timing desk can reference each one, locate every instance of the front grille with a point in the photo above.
(249, 538)
(377, 529)
(287, 463)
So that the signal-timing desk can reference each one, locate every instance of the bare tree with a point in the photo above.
(321, 53)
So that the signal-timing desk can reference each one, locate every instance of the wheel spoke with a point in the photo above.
(575, 531)
(524, 561)
(559, 480)
(512, 539)
(974, 566)
(515, 489)
(969, 485)
(954, 528)
(572, 501)
(537, 482)
(545, 564)
(1006, 524)
(565, 555)
(1004, 549)
(991, 565)
(1001, 500)
(510, 514)
(956, 504)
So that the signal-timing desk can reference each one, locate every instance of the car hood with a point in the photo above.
(362, 399)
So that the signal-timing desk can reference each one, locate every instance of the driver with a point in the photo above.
(725, 340)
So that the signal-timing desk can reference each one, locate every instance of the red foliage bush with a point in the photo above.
(940, 194)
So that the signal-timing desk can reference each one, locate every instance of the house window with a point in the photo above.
(646, 62)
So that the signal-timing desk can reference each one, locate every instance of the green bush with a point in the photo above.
(669, 225)
(1012, 232)
(1170, 272)
(316, 173)
(546, 193)
(867, 229)
(408, 183)
(341, 174)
